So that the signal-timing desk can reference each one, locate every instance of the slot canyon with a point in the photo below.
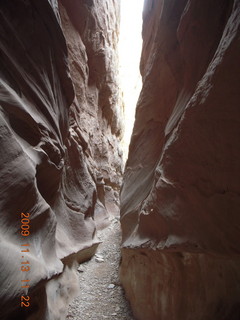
(63, 172)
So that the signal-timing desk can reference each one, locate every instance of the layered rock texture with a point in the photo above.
(180, 198)
(60, 162)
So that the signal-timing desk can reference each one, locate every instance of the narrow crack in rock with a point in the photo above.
(101, 295)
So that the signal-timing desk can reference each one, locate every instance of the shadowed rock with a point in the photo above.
(180, 196)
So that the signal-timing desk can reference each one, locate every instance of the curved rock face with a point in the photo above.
(59, 163)
(180, 197)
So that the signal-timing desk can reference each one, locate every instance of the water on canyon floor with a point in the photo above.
(101, 295)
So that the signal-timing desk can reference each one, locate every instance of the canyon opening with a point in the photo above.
(91, 229)
(130, 46)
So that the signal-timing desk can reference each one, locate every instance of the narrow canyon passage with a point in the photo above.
(62, 127)
(63, 178)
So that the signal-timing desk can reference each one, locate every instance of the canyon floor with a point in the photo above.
(101, 295)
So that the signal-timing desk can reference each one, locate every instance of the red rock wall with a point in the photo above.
(59, 138)
(91, 30)
(180, 197)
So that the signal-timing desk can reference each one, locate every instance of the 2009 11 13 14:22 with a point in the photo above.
(25, 265)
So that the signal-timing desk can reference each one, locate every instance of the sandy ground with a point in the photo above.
(101, 296)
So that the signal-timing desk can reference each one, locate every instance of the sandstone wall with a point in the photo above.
(59, 134)
(91, 29)
(180, 196)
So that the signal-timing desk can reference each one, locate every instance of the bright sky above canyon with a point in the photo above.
(130, 46)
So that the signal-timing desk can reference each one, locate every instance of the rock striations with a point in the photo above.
(180, 198)
(60, 162)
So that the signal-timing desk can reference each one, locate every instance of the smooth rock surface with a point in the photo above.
(180, 196)
(59, 133)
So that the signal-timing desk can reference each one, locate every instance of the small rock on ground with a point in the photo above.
(101, 295)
